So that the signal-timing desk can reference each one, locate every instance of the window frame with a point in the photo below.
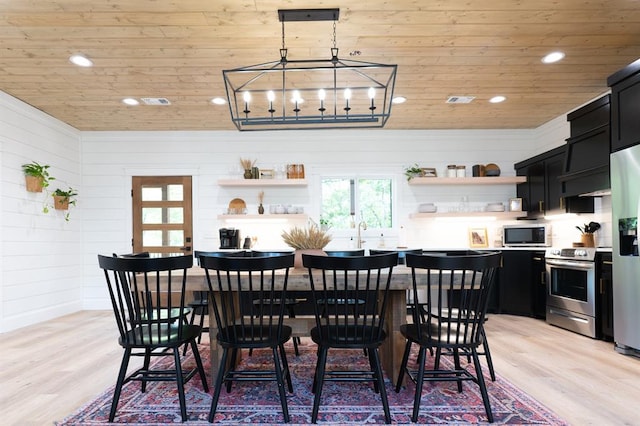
(348, 232)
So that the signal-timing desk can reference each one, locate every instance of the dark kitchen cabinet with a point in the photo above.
(539, 284)
(625, 107)
(542, 192)
(515, 283)
(586, 166)
(604, 304)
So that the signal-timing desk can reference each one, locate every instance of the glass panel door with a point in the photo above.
(162, 221)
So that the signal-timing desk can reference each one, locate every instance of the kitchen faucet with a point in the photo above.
(361, 226)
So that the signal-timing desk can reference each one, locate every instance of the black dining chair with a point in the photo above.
(249, 327)
(290, 302)
(199, 305)
(352, 302)
(486, 351)
(458, 287)
(146, 297)
(146, 329)
(332, 280)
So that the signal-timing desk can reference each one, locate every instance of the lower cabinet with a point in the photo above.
(515, 283)
(539, 282)
(604, 299)
(522, 284)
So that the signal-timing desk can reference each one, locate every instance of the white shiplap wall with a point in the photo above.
(40, 260)
(101, 164)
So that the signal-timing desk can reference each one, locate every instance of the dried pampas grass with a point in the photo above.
(311, 237)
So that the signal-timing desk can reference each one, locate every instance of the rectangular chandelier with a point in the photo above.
(312, 93)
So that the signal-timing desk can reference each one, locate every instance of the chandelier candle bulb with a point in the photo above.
(271, 97)
(347, 96)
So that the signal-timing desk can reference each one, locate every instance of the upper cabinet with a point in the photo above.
(542, 192)
(586, 166)
(625, 107)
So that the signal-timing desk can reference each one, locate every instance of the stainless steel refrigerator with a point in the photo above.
(625, 199)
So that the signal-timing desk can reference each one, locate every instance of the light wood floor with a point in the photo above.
(51, 369)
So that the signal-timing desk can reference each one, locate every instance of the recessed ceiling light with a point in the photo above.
(553, 57)
(81, 61)
(130, 101)
(497, 99)
(399, 100)
(218, 101)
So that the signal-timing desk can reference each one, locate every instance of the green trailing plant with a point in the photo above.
(40, 171)
(413, 171)
(63, 197)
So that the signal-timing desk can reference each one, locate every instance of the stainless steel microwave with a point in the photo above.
(534, 235)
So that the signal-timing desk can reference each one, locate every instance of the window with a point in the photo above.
(347, 201)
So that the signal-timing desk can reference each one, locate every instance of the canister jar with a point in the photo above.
(451, 170)
(461, 171)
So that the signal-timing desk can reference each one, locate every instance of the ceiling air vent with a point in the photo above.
(460, 99)
(156, 101)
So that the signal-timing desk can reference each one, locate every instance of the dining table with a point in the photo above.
(392, 348)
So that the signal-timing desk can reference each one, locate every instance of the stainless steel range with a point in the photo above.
(571, 290)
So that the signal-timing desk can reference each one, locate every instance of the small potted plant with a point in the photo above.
(413, 171)
(309, 240)
(62, 199)
(36, 176)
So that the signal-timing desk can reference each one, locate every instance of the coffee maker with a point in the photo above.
(229, 238)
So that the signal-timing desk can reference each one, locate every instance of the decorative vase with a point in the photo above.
(588, 240)
(248, 174)
(60, 202)
(260, 209)
(297, 261)
(34, 183)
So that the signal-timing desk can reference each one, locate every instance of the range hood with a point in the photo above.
(586, 165)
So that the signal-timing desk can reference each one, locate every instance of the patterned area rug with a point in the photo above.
(342, 403)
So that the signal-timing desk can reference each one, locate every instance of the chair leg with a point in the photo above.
(456, 362)
(180, 382)
(218, 384)
(403, 366)
(372, 368)
(199, 365)
(422, 355)
(487, 354)
(296, 340)
(191, 319)
(234, 357)
(145, 366)
(281, 391)
(373, 353)
(285, 367)
(121, 376)
(482, 385)
(319, 380)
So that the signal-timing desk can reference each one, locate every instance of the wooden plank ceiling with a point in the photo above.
(177, 49)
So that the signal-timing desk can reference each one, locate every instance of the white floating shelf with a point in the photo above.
(486, 180)
(262, 182)
(263, 216)
(497, 215)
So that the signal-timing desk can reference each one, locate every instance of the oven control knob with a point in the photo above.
(580, 253)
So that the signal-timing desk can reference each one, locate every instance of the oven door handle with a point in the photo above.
(585, 266)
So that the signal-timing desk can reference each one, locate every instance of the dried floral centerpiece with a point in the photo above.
(309, 240)
(247, 165)
(260, 200)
